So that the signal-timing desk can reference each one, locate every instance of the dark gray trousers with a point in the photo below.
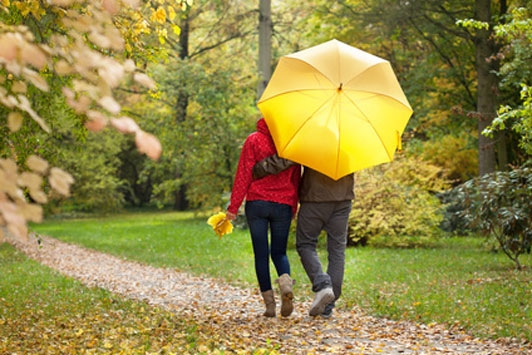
(313, 217)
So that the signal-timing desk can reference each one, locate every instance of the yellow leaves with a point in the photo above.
(176, 29)
(125, 124)
(37, 164)
(63, 3)
(129, 65)
(14, 121)
(148, 144)
(83, 26)
(23, 103)
(97, 121)
(140, 27)
(35, 79)
(33, 6)
(132, 3)
(14, 209)
(162, 36)
(111, 72)
(144, 80)
(111, 6)
(171, 13)
(110, 104)
(30, 180)
(186, 4)
(19, 87)
(62, 67)
(203, 348)
(220, 224)
(60, 181)
(8, 46)
(33, 55)
(158, 15)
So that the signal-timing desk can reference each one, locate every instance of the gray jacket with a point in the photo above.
(314, 186)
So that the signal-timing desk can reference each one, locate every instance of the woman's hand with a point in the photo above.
(230, 216)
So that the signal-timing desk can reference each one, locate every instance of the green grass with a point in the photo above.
(461, 283)
(458, 284)
(42, 312)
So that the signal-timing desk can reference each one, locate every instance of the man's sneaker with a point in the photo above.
(327, 311)
(321, 299)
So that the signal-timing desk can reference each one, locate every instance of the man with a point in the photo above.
(325, 204)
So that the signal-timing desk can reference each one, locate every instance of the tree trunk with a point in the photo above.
(265, 44)
(502, 138)
(180, 201)
(487, 83)
(502, 151)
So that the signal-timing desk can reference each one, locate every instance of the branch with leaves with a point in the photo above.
(87, 49)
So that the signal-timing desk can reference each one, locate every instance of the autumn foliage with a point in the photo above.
(395, 205)
(86, 48)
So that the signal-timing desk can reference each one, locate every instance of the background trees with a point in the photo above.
(458, 62)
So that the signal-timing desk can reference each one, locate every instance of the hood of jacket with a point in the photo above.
(262, 127)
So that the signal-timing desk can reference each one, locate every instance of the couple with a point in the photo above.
(272, 187)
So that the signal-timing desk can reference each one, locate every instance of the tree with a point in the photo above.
(515, 75)
(486, 50)
(205, 147)
(209, 30)
(265, 44)
(439, 61)
(79, 41)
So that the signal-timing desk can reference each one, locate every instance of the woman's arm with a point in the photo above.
(243, 176)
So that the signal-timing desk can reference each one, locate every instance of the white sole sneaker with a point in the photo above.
(322, 299)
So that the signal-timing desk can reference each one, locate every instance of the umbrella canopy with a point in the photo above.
(335, 109)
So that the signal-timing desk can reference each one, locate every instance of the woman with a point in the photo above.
(270, 202)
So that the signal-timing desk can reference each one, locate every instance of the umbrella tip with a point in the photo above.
(340, 87)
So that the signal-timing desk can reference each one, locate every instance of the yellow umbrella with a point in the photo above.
(335, 109)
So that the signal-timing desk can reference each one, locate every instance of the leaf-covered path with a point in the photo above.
(235, 312)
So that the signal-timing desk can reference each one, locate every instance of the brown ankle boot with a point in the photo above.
(269, 301)
(285, 285)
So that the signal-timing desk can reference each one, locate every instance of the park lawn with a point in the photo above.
(460, 283)
(42, 311)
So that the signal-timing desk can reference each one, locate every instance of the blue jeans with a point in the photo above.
(277, 216)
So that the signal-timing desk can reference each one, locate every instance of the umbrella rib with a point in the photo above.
(339, 138)
(315, 68)
(338, 64)
(363, 71)
(367, 119)
(304, 123)
(380, 94)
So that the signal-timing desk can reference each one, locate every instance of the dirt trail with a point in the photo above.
(229, 308)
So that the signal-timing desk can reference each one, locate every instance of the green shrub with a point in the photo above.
(500, 206)
(454, 221)
(395, 205)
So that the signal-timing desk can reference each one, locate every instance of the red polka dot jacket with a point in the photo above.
(280, 188)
